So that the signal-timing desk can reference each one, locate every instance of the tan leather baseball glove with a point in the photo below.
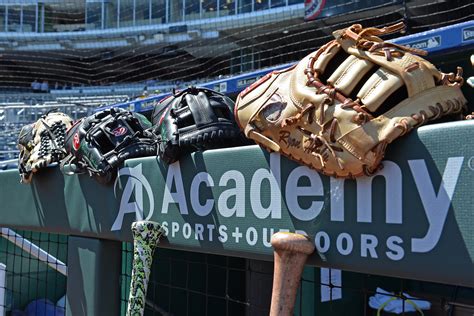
(338, 108)
(42, 143)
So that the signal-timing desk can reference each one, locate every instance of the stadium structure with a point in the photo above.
(82, 56)
(103, 52)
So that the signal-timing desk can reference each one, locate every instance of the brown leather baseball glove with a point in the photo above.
(338, 108)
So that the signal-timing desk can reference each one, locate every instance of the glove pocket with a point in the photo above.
(261, 111)
(251, 101)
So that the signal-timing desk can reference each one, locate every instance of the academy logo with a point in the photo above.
(312, 9)
(132, 196)
(426, 43)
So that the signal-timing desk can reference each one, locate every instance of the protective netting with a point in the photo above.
(94, 53)
(186, 283)
(16, 116)
(32, 273)
(183, 283)
(120, 46)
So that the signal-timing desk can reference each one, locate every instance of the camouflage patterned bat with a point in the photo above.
(146, 235)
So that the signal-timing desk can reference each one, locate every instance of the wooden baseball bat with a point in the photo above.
(146, 235)
(290, 254)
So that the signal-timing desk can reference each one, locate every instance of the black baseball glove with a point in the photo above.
(98, 144)
(195, 119)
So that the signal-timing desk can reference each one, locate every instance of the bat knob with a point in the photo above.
(146, 231)
(292, 242)
(290, 255)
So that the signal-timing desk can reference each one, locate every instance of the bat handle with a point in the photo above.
(290, 254)
(146, 235)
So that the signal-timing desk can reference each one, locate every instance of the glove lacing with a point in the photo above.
(365, 39)
(316, 144)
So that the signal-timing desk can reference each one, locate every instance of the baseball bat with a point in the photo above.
(290, 254)
(146, 235)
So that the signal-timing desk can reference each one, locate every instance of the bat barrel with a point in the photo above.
(290, 254)
(146, 235)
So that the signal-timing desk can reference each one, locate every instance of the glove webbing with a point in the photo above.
(53, 133)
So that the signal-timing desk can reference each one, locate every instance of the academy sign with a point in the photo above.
(244, 210)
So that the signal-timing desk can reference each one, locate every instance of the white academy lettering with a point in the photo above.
(344, 243)
(136, 206)
(436, 205)
(396, 252)
(238, 192)
(251, 236)
(179, 197)
(368, 243)
(187, 230)
(174, 229)
(210, 228)
(134, 187)
(199, 209)
(393, 201)
(267, 236)
(273, 176)
(198, 231)
(222, 233)
(393, 196)
(265, 197)
(344, 238)
(322, 241)
(164, 224)
(293, 192)
(391, 172)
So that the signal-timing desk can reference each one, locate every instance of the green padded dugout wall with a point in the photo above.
(413, 220)
(93, 286)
